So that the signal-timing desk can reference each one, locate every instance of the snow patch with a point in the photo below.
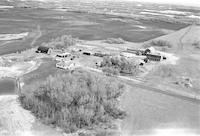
(171, 58)
(194, 16)
(5, 7)
(173, 12)
(173, 132)
(6, 37)
(14, 120)
(18, 69)
(157, 14)
(139, 26)
(139, 5)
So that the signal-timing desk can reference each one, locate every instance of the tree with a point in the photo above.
(74, 100)
(115, 65)
(110, 71)
(161, 43)
(61, 42)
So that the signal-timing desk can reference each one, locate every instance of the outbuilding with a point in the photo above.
(63, 55)
(127, 54)
(100, 54)
(89, 53)
(43, 49)
(152, 57)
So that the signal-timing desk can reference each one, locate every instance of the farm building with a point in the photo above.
(142, 52)
(88, 53)
(76, 49)
(150, 50)
(69, 65)
(100, 54)
(127, 54)
(153, 57)
(137, 52)
(63, 55)
(43, 49)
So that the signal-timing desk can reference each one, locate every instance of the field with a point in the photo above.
(53, 23)
(148, 111)
(163, 95)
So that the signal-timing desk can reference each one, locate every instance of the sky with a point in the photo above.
(184, 2)
(181, 2)
(178, 2)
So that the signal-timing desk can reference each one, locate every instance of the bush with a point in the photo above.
(115, 65)
(161, 43)
(115, 41)
(74, 101)
(110, 71)
(61, 42)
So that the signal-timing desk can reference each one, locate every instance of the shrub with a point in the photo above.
(110, 71)
(74, 101)
(113, 65)
(115, 41)
(161, 43)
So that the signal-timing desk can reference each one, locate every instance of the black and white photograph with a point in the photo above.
(99, 67)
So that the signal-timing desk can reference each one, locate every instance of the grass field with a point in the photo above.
(41, 73)
(148, 110)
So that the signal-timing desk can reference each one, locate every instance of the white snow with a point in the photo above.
(171, 58)
(173, 132)
(173, 12)
(157, 14)
(6, 37)
(194, 16)
(139, 26)
(5, 7)
(150, 10)
(18, 69)
(139, 5)
(14, 120)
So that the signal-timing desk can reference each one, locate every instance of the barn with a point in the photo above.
(43, 49)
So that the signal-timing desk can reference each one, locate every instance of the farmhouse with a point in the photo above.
(43, 49)
(69, 65)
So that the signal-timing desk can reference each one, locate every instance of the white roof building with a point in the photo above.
(65, 54)
(67, 65)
